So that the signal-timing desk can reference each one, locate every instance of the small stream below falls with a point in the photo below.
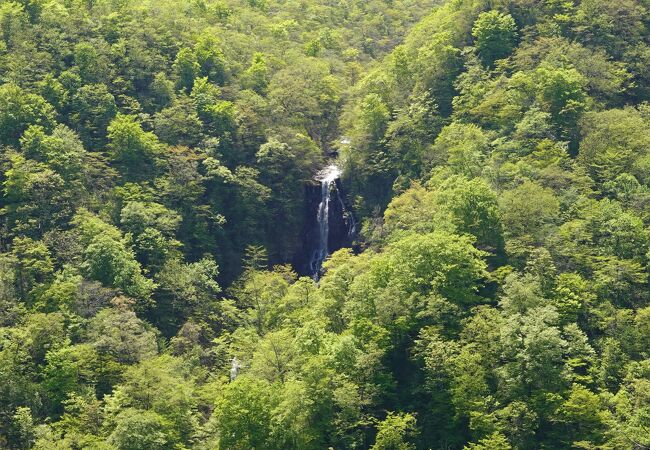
(330, 223)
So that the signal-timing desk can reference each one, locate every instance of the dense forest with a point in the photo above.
(156, 160)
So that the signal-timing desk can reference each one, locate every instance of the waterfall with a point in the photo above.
(327, 177)
(329, 223)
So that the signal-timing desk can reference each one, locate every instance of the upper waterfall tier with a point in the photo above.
(329, 174)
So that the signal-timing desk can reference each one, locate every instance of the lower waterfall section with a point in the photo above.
(329, 223)
(321, 250)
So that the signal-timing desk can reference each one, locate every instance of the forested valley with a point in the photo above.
(319, 224)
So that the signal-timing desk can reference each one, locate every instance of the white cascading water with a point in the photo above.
(326, 177)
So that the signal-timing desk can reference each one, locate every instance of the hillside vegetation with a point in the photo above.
(154, 157)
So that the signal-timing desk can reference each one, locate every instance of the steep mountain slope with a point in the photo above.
(496, 155)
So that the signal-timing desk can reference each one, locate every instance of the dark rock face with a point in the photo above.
(341, 226)
(310, 234)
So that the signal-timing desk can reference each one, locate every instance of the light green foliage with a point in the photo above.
(14, 20)
(292, 418)
(631, 407)
(495, 35)
(475, 210)
(606, 78)
(33, 266)
(559, 92)
(186, 68)
(404, 286)
(583, 410)
(136, 217)
(415, 210)
(409, 132)
(452, 204)
(142, 430)
(89, 62)
(217, 115)
(179, 123)
(438, 262)
(162, 90)
(107, 257)
(259, 294)
(256, 77)
(191, 291)
(373, 118)
(118, 333)
(210, 58)
(612, 142)
(495, 441)
(526, 219)
(20, 109)
(243, 411)
(533, 346)
(160, 386)
(571, 295)
(70, 370)
(308, 94)
(35, 196)
(131, 147)
(463, 148)
(93, 108)
(273, 357)
(23, 427)
(62, 150)
(394, 432)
